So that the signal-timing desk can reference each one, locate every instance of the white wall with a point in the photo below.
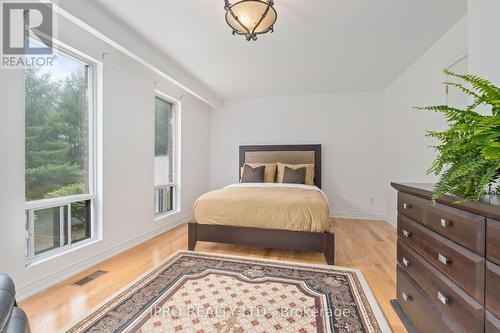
(128, 163)
(350, 127)
(484, 46)
(407, 153)
(369, 139)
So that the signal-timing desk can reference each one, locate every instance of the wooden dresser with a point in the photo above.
(448, 262)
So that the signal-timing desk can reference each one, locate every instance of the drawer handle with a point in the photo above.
(406, 262)
(445, 223)
(443, 259)
(406, 205)
(406, 233)
(406, 297)
(443, 298)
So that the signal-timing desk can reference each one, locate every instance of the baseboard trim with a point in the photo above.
(34, 288)
(362, 216)
(391, 221)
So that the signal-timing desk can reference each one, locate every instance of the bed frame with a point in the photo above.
(271, 238)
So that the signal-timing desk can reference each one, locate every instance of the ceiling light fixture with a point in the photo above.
(251, 17)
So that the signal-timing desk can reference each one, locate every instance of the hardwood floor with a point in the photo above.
(367, 245)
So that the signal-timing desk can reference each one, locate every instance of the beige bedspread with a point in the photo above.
(264, 205)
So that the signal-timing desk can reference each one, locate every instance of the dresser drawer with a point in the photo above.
(466, 312)
(493, 242)
(492, 301)
(462, 227)
(492, 323)
(462, 266)
(417, 307)
(412, 206)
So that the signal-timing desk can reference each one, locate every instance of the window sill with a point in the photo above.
(161, 216)
(59, 252)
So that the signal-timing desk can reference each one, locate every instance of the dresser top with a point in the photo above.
(489, 206)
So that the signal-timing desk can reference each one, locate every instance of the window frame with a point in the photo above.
(176, 202)
(94, 109)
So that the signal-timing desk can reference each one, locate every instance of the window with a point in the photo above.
(59, 155)
(165, 156)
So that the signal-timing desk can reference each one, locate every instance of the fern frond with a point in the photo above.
(468, 152)
(478, 83)
(462, 88)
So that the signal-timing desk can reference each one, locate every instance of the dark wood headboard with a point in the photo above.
(294, 154)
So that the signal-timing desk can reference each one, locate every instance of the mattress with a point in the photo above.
(293, 207)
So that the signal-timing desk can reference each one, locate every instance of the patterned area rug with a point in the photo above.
(201, 293)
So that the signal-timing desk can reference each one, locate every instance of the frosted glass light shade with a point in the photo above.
(251, 17)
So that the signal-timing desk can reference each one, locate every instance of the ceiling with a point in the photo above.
(319, 46)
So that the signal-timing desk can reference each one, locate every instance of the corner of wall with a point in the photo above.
(405, 129)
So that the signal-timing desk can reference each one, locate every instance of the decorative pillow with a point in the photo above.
(309, 171)
(269, 172)
(294, 176)
(253, 175)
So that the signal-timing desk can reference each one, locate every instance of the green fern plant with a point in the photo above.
(468, 161)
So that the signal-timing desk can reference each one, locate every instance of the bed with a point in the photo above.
(269, 215)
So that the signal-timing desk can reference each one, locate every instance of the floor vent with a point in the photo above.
(89, 278)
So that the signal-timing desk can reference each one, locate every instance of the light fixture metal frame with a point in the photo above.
(250, 35)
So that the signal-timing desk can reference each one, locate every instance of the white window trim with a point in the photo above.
(55, 202)
(95, 86)
(176, 145)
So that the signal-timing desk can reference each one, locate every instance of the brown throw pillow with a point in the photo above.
(294, 176)
(309, 171)
(269, 171)
(253, 175)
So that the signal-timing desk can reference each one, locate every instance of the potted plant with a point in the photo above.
(468, 160)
